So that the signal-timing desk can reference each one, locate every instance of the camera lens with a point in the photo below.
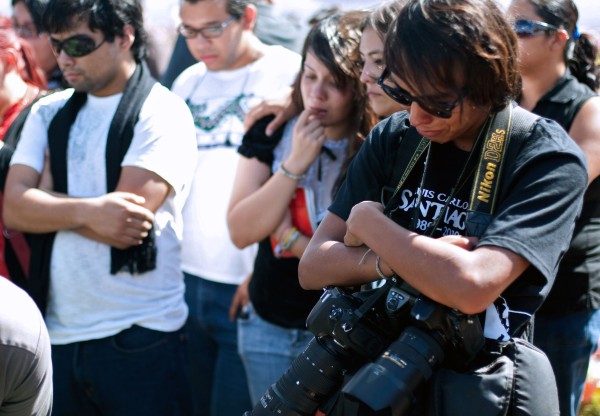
(312, 377)
(392, 380)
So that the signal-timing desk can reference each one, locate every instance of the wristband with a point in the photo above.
(288, 241)
(289, 174)
(378, 270)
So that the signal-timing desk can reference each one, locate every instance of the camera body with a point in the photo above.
(392, 338)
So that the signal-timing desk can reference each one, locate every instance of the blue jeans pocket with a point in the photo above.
(139, 339)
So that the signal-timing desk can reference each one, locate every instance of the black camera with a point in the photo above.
(391, 339)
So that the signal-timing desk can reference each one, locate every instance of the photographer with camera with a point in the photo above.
(466, 203)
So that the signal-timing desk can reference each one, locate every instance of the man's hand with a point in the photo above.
(119, 219)
(358, 219)
(281, 107)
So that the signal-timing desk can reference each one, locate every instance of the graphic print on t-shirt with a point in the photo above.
(426, 202)
(219, 121)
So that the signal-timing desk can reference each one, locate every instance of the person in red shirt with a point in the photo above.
(21, 82)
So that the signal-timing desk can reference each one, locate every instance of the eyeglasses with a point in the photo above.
(209, 32)
(529, 28)
(26, 31)
(400, 95)
(75, 46)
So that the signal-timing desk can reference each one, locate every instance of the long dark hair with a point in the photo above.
(333, 41)
(581, 52)
(465, 46)
(107, 16)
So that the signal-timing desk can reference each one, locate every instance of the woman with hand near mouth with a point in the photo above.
(369, 59)
(310, 151)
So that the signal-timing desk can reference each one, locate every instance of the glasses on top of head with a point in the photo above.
(209, 32)
(400, 95)
(528, 28)
(75, 46)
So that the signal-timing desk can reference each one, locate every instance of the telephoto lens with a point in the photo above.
(391, 381)
(313, 376)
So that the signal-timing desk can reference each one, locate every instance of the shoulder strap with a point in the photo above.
(411, 148)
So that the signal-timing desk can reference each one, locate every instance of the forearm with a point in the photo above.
(35, 211)
(468, 280)
(327, 261)
(260, 213)
(334, 264)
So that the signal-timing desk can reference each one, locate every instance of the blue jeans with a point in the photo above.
(568, 341)
(217, 376)
(136, 372)
(267, 350)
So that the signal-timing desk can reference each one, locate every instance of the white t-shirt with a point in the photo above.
(86, 301)
(219, 102)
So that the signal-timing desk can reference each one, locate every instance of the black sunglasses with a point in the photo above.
(529, 28)
(400, 95)
(75, 46)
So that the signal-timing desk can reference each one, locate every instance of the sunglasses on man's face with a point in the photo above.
(528, 28)
(400, 95)
(75, 46)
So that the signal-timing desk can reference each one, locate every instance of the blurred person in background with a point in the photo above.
(271, 27)
(21, 83)
(560, 73)
(27, 22)
(376, 25)
(25, 363)
(235, 70)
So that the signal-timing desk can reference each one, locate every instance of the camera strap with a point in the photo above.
(511, 123)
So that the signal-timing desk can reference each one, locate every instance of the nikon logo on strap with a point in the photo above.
(489, 170)
(492, 156)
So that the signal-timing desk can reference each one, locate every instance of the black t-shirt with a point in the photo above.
(577, 285)
(539, 197)
(274, 289)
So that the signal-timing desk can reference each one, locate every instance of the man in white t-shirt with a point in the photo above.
(235, 71)
(106, 214)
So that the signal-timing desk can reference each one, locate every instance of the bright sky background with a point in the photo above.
(162, 16)
(165, 11)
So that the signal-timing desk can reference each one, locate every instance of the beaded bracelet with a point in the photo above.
(289, 174)
(288, 241)
(378, 269)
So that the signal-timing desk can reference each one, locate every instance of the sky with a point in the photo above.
(164, 12)
(162, 16)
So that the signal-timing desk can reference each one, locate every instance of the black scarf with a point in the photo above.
(137, 259)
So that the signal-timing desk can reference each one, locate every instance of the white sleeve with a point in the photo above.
(34, 136)
(164, 140)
